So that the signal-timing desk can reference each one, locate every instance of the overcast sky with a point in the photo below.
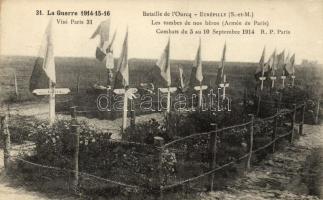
(22, 30)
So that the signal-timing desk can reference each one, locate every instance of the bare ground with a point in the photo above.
(284, 176)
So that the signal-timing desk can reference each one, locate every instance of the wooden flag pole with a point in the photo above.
(110, 114)
(51, 103)
(125, 111)
(168, 100)
(201, 96)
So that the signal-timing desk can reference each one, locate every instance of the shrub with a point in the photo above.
(144, 132)
(55, 144)
(131, 163)
(20, 128)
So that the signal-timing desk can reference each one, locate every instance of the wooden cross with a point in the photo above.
(224, 85)
(283, 77)
(128, 94)
(52, 91)
(293, 79)
(168, 90)
(273, 79)
(262, 79)
(200, 88)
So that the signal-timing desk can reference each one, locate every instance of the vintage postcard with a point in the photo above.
(161, 99)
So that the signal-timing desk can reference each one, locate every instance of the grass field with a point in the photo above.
(240, 75)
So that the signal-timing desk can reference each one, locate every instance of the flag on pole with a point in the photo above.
(109, 64)
(44, 68)
(198, 64)
(290, 66)
(164, 64)
(103, 30)
(271, 64)
(220, 74)
(122, 66)
(260, 72)
(281, 59)
(184, 80)
(287, 58)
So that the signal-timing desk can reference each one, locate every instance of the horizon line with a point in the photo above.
(16, 55)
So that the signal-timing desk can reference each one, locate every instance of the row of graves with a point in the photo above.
(75, 154)
(119, 98)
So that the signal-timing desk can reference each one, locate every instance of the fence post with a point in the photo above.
(212, 154)
(75, 128)
(301, 123)
(317, 113)
(291, 137)
(250, 144)
(6, 140)
(274, 133)
(258, 105)
(159, 142)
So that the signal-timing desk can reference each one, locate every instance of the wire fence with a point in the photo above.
(203, 153)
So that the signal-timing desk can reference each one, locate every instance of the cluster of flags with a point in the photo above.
(163, 63)
(277, 67)
(43, 76)
(196, 76)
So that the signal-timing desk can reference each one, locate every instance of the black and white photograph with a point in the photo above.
(161, 100)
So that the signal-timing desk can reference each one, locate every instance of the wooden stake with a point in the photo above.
(6, 140)
(73, 114)
(159, 142)
(258, 104)
(274, 133)
(132, 114)
(300, 130)
(250, 145)
(75, 127)
(212, 155)
(291, 137)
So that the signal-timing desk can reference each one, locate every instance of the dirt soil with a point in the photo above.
(293, 173)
